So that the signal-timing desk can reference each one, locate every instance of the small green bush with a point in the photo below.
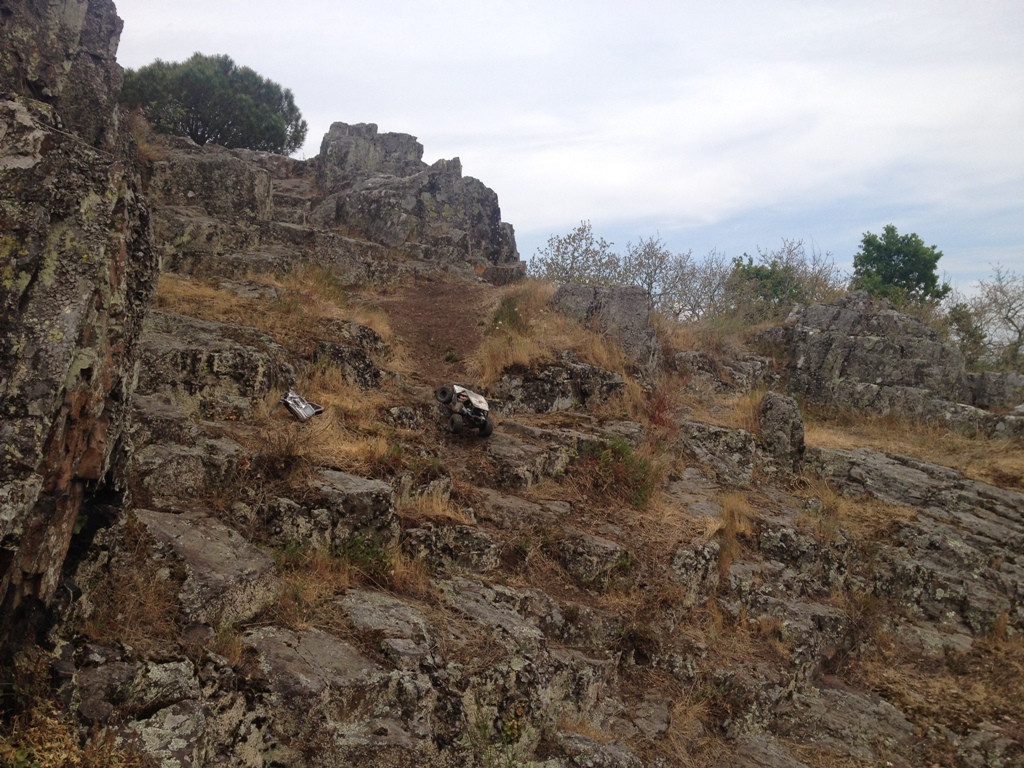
(614, 468)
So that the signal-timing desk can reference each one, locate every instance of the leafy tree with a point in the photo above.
(578, 257)
(965, 328)
(898, 267)
(769, 288)
(212, 99)
(764, 291)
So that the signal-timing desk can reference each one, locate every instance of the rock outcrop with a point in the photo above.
(621, 312)
(367, 205)
(859, 353)
(366, 588)
(76, 274)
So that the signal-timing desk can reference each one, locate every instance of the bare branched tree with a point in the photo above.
(999, 306)
(578, 257)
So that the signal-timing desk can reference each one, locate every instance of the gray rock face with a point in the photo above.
(352, 153)
(356, 506)
(435, 214)
(76, 273)
(372, 210)
(222, 368)
(228, 580)
(555, 387)
(620, 311)
(781, 431)
(854, 338)
(858, 353)
(194, 176)
(63, 55)
(728, 374)
(959, 560)
(595, 562)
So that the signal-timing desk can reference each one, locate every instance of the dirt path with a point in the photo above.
(440, 324)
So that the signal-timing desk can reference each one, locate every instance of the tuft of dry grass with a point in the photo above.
(738, 411)
(864, 518)
(310, 581)
(430, 507)
(737, 523)
(525, 330)
(410, 577)
(133, 601)
(501, 350)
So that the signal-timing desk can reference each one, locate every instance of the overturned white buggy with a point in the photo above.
(468, 409)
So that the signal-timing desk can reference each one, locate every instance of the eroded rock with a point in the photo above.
(228, 580)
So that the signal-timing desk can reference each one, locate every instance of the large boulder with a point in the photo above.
(856, 338)
(619, 311)
(351, 153)
(76, 274)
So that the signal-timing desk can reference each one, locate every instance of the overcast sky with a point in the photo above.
(723, 124)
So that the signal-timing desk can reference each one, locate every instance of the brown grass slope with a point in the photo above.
(708, 651)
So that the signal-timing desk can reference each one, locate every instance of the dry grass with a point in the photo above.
(737, 411)
(525, 329)
(957, 690)
(410, 577)
(737, 524)
(310, 582)
(148, 148)
(45, 736)
(348, 435)
(501, 350)
(614, 470)
(689, 742)
(430, 507)
(577, 723)
(309, 298)
(133, 601)
(991, 460)
(864, 518)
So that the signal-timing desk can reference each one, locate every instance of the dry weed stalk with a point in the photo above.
(737, 523)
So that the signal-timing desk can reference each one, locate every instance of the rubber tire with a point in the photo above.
(444, 394)
(487, 428)
(457, 423)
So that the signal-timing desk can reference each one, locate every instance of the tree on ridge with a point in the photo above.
(212, 99)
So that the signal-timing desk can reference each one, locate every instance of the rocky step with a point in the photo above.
(293, 200)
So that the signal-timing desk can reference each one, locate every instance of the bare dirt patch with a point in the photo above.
(441, 325)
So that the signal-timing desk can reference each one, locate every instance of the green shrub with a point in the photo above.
(613, 468)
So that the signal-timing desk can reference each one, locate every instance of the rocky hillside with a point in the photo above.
(672, 551)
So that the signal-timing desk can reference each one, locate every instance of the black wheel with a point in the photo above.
(486, 428)
(457, 423)
(444, 394)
